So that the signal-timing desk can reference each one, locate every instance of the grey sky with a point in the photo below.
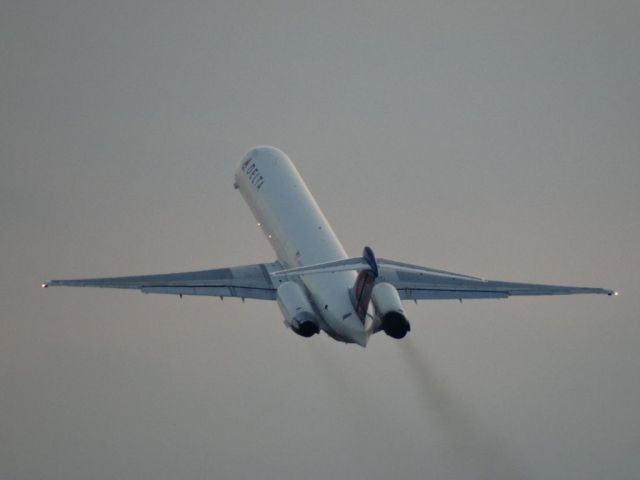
(486, 137)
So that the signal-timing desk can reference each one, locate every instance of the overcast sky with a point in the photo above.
(494, 138)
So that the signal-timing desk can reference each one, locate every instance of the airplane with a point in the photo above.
(315, 284)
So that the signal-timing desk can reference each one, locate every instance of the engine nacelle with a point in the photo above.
(386, 301)
(297, 310)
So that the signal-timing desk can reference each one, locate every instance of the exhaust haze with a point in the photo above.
(470, 446)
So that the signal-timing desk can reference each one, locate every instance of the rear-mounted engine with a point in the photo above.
(296, 309)
(391, 316)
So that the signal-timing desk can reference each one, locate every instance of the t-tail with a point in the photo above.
(390, 315)
(362, 289)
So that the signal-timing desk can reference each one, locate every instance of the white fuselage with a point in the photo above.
(301, 235)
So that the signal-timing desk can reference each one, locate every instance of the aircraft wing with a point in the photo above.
(248, 281)
(448, 285)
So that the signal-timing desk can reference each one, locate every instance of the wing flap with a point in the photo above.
(441, 294)
(238, 292)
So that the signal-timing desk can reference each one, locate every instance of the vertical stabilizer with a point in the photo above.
(361, 292)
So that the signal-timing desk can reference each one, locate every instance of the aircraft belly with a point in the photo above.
(285, 210)
(330, 294)
(300, 235)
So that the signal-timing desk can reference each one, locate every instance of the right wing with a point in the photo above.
(424, 286)
(249, 281)
(416, 282)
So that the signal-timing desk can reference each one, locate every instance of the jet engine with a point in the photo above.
(388, 306)
(297, 310)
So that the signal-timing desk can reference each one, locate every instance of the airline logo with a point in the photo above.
(253, 173)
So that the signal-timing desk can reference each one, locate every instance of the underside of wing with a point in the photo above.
(248, 281)
(424, 286)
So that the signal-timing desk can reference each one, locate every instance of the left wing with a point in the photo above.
(425, 286)
(249, 281)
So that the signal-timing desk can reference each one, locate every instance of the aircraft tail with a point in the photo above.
(361, 292)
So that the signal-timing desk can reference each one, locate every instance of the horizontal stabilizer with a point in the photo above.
(408, 268)
(360, 263)
(357, 263)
